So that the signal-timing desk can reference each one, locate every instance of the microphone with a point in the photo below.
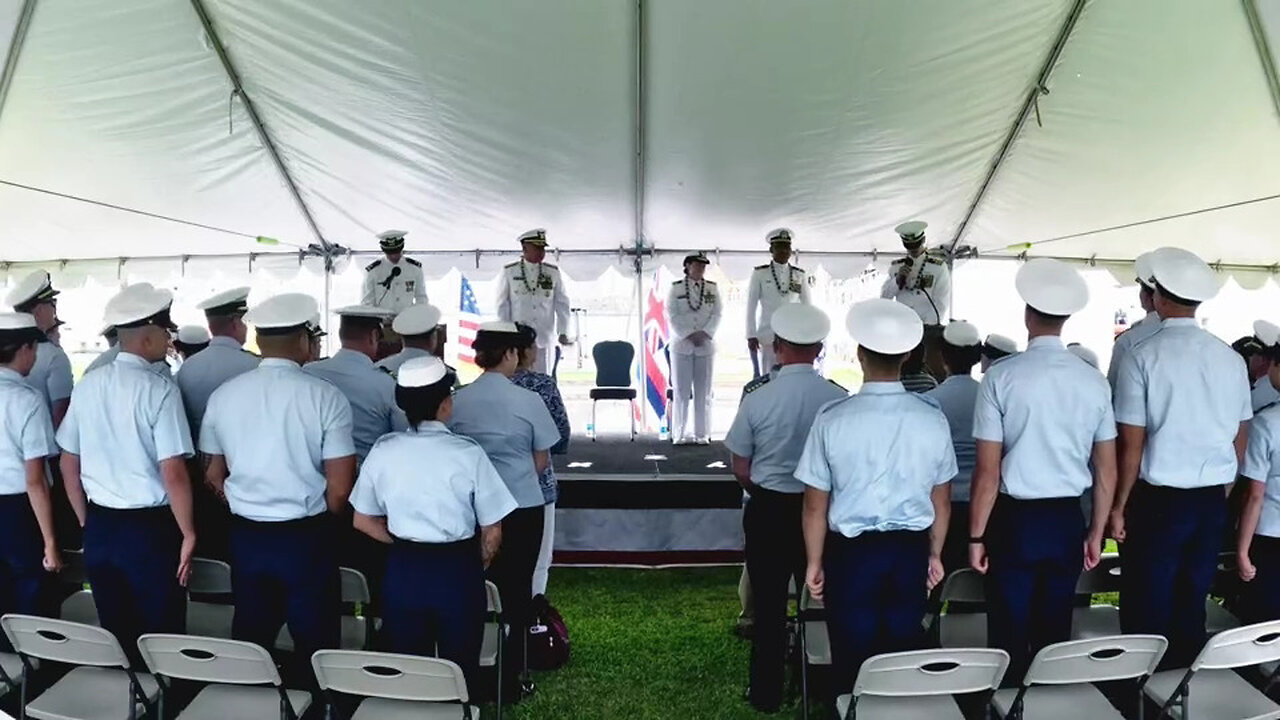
(395, 273)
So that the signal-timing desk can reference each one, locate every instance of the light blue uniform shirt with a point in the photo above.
(392, 363)
(108, 356)
(1190, 391)
(957, 396)
(1263, 394)
(510, 423)
(1262, 464)
(440, 501)
(205, 372)
(773, 422)
(1047, 407)
(26, 433)
(1141, 330)
(276, 425)
(372, 393)
(879, 453)
(123, 421)
(51, 374)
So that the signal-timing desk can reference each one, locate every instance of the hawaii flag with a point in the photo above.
(654, 373)
(468, 323)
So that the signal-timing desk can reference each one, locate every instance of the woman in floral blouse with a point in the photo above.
(545, 386)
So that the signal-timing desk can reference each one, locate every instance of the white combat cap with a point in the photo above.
(912, 231)
(34, 287)
(138, 306)
(1000, 343)
(1142, 268)
(417, 320)
(1183, 274)
(1267, 332)
(283, 314)
(960, 333)
(780, 235)
(421, 372)
(228, 302)
(1083, 353)
(535, 237)
(193, 335)
(1052, 287)
(884, 326)
(800, 324)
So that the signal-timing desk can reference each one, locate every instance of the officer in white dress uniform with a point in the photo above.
(1266, 334)
(877, 466)
(125, 445)
(532, 292)
(957, 395)
(1182, 405)
(371, 391)
(1045, 434)
(417, 327)
(1258, 539)
(693, 305)
(34, 294)
(434, 591)
(393, 282)
(28, 544)
(1142, 329)
(996, 348)
(766, 439)
(771, 286)
(286, 477)
(919, 280)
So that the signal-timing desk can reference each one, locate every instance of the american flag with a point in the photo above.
(468, 322)
(654, 372)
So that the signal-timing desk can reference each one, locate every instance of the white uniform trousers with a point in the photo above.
(543, 569)
(767, 358)
(544, 359)
(691, 373)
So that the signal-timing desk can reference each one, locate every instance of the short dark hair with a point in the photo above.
(915, 360)
(353, 326)
(1046, 318)
(422, 404)
(798, 348)
(1176, 299)
(960, 359)
(882, 361)
(491, 346)
(9, 352)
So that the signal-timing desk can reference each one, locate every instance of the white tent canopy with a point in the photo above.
(1071, 128)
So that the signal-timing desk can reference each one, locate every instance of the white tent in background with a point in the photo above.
(1085, 129)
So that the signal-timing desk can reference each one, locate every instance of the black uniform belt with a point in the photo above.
(153, 510)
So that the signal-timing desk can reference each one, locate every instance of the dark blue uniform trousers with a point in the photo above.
(1170, 556)
(287, 572)
(433, 598)
(875, 593)
(131, 559)
(775, 554)
(1035, 551)
(1261, 596)
(25, 587)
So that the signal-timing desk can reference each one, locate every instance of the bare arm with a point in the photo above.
(490, 541)
(59, 411)
(982, 498)
(375, 526)
(1241, 442)
(742, 471)
(70, 465)
(215, 474)
(340, 477)
(42, 506)
(541, 461)
(1104, 486)
(941, 498)
(814, 525)
(1129, 448)
(177, 484)
(1248, 526)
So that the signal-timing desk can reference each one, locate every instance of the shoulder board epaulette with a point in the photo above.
(413, 262)
(833, 382)
(797, 268)
(934, 259)
(763, 267)
(677, 282)
(1268, 406)
(372, 265)
(549, 265)
(709, 282)
(510, 265)
(385, 370)
(755, 384)
(899, 261)
(250, 352)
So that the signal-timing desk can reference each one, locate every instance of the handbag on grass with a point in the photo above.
(548, 636)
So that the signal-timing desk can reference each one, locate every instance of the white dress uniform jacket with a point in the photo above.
(439, 503)
(770, 286)
(276, 460)
(372, 393)
(693, 306)
(27, 432)
(879, 453)
(1139, 331)
(51, 374)
(535, 295)
(1262, 464)
(123, 421)
(1190, 391)
(927, 288)
(394, 293)
(1047, 407)
(205, 372)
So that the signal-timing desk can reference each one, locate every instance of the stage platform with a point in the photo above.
(646, 502)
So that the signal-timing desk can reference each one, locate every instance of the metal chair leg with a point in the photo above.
(593, 420)
(631, 405)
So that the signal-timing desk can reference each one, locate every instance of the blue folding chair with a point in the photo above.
(613, 360)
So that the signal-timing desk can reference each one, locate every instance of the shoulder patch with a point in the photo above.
(372, 265)
(762, 267)
(413, 262)
(755, 385)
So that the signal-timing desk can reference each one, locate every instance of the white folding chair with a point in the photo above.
(80, 608)
(101, 687)
(967, 629)
(209, 619)
(10, 672)
(815, 642)
(1217, 618)
(1095, 621)
(1209, 689)
(495, 627)
(1059, 682)
(241, 678)
(355, 628)
(920, 685)
(396, 687)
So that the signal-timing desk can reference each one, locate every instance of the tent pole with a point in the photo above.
(640, 109)
(328, 288)
(1264, 51)
(10, 67)
(1028, 105)
(263, 137)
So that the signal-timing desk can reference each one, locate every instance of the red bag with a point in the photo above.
(548, 637)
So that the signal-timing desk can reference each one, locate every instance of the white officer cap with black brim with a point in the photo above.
(1267, 332)
(1142, 269)
(391, 240)
(1051, 287)
(226, 303)
(781, 235)
(422, 372)
(416, 320)
(884, 326)
(18, 329)
(314, 329)
(33, 289)
(283, 314)
(959, 333)
(193, 335)
(1084, 354)
(912, 232)
(1183, 276)
(998, 346)
(534, 237)
(800, 324)
(497, 334)
(140, 307)
(698, 257)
